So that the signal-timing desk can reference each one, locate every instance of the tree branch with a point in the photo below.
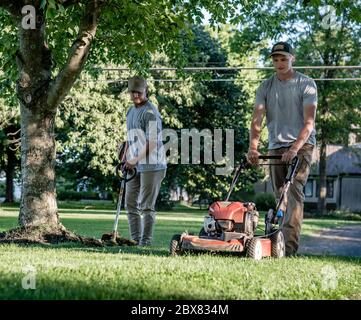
(66, 3)
(78, 54)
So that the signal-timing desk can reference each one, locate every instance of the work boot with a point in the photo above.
(134, 221)
(148, 224)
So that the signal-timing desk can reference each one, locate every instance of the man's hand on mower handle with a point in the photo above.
(289, 155)
(252, 156)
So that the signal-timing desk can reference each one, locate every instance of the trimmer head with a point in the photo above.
(110, 240)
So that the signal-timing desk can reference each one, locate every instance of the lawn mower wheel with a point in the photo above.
(175, 245)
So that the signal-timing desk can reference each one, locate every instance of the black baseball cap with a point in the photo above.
(282, 48)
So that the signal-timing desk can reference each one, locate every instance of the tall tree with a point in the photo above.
(324, 33)
(128, 32)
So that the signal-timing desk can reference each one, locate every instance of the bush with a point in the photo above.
(265, 201)
(87, 204)
(74, 195)
(163, 200)
(335, 214)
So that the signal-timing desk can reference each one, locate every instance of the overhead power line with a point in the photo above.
(232, 68)
(216, 80)
(226, 69)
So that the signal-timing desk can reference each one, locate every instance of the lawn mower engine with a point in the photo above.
(230, 220)
(229, 227)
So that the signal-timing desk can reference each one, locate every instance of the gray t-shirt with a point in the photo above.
(145, 124)
(285, 102)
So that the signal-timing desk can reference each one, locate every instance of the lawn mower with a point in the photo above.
(230, 226)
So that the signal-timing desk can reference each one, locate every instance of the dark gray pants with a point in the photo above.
(140, 197)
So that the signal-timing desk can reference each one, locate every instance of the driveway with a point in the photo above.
(340, 241)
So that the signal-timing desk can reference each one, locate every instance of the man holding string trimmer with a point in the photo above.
(289, 101)
(146, 153)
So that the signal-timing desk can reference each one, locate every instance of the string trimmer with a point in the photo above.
(124, 175)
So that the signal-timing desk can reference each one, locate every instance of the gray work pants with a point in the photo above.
(140, 197)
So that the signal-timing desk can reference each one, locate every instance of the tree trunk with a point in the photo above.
(321, 206)
(39, 97)
(38, 200)
(324, 137)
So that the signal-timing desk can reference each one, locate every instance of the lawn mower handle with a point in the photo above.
(245, 164)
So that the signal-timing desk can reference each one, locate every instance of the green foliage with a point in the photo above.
(317, 42)
(90, 124)
(342, 215)
(163, 201)
(129, 33)
(196, 103)
(77, 195)
(9, 110)
(132, 33)
(92, 120)
(265, 201)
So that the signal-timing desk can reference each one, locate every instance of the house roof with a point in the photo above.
(340, 160)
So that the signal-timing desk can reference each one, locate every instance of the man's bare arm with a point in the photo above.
(309, 124)
(255, 132)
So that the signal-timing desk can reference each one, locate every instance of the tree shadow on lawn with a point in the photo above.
(94, 289)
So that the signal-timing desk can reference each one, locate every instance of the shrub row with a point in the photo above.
(75, 195)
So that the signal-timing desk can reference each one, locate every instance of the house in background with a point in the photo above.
(343, 169)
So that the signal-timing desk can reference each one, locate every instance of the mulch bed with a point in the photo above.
(56, 235)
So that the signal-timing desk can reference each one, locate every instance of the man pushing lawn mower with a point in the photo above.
(289, 101)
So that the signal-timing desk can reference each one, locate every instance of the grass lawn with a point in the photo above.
(75, 272)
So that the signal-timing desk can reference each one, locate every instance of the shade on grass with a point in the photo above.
(75, 272)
